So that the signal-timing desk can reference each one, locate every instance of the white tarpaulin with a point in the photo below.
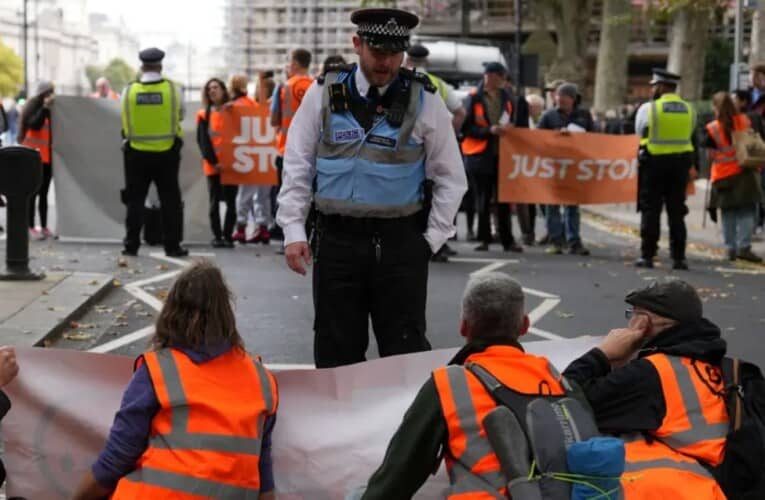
(88, 171)
(332, 429)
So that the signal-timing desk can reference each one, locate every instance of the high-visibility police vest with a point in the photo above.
(39, 140)
(696, 420)
(656, 471)
(724, 163)
(440, 85)
(151, 115)
(375, 173)
(474, 145)
(290, 96)
(214, 130)
(473, 467)
(670, 126)
(206, 438)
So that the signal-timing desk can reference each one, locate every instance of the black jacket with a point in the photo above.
(630, 399)
(555, 119)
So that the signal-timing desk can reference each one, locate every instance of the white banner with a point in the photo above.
(332, 428)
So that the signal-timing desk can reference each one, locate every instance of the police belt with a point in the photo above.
(369, 225)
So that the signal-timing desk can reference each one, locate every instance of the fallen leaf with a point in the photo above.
(117, 283)
(731, 285)
(93, 282)
(74, 261)
(74, 325)
(55, 308)
(121, 317)
(122, 262)
(162, 267)
(144, 314)
(564, 314)
(77, 336)
(45, 292)
(730, 329)
(161, 295)
(121, 324)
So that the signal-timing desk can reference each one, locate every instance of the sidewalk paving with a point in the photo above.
(701, 230)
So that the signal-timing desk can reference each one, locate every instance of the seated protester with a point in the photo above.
(8, 371)
(492, 321)
(660, 377)
(196, 418)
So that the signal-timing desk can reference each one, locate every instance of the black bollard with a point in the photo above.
(20, 178)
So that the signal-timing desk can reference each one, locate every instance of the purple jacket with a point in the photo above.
(129, 435)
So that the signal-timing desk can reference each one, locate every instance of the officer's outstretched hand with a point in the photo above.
(298, 256)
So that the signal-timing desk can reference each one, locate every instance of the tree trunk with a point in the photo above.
(611, 72)
(690, 30)
(571, 19)
(757, 52)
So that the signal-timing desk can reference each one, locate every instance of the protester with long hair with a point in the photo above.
(35, 132)
(209, 139)
(196, 418)
(735, 190)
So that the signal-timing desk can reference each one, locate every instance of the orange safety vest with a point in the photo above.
(656, 471)
(215, 130)
(243, 101)
(724, 163)
(474, 145)
(290, 96)
(112, 95)
(205, 440)
(39, 140)
(696, 423)
(470, 460)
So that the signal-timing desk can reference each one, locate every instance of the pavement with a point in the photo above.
(701, 230)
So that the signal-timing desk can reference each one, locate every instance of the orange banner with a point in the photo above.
(248, 152)
(545, 166)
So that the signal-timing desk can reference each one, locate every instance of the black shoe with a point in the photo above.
(470, 235)
(644, 262)
(228, 244)
(731, 255)
(448, 251)
(129, 252)
(440, 256)
(483, 247)
(218, 243)
(513, 247)
(680, 265)
(528, 240)
(177, 252)
(578, 249)
(747, 255)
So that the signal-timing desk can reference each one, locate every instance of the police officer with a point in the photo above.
(363, 142)
(665, 126)
(151, 129)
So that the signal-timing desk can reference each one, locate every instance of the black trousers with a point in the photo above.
(485, 193)
(366, 268)
(527, 216)
(141, 169)
(41, 197)
(221, 193)
(279, 164)
(663, 181)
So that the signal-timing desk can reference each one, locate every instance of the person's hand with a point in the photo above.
(298, 256)
(218, 167)
(622, 343)
(495, 130)
(565, 131)
(8, 366)
(694, 173)
(48, 101)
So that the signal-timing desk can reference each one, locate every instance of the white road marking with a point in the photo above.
(478, 260)
(172, 260)
(735, 270)
(145, 297)
(124, 340)
(545, 307)
(547, 335)
(289, 366)
(154, 279)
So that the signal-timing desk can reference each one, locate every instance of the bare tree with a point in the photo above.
(571, 22)
(613, 56)
(691, 21)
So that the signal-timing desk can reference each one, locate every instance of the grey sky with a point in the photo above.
(157, 21)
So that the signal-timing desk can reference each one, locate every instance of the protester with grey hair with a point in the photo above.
(566, 117)
(492, 320)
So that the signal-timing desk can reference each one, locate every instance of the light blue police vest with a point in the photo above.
(379, 173)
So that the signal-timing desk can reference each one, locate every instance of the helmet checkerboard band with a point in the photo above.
(391, 28)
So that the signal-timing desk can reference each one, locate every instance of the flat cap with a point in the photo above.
(418, 51)
(661, 75)
(385, 29)
(494, 67)
(568, 89)
(152, 55)
(674, 299)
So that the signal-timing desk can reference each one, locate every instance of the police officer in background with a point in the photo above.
(665, 126)
(151, 129)
(364, 141)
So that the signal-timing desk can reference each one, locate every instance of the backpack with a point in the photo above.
(742, 471)
(749, 147)
(546, 443)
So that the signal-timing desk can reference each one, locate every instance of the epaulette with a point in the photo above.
(421, 78)
(335, 68)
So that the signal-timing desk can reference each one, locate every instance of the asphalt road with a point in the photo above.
(567, 296)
